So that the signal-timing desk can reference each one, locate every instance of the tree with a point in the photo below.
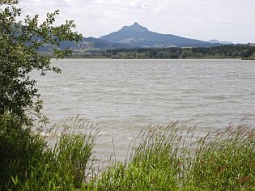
(20, 42)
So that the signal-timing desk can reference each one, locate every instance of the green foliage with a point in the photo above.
(20, 42)
(225, 160)
(74, 150)
(162, 158)
(172, 158)
(226, 51)
(28, 163)
(18, 149)
(154, 163)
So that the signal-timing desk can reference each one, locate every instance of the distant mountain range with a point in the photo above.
(137, 36)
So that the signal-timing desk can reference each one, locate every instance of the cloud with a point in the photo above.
(226, 21)
(202, 2)
(203, 19)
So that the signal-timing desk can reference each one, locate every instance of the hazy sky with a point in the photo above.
(228, 20)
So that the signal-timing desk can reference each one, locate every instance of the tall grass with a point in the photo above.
(162, 158)
(28, 163)
(154, 164)
(172, 158)
(18, 151)
(225, 160)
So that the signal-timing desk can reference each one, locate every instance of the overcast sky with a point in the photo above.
(225, 20)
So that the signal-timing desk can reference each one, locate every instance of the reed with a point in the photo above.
(173, 158)
(153, 164)
(225, 160)
(29, 163)
(161, 158)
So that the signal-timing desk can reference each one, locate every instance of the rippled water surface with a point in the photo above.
(123, 96)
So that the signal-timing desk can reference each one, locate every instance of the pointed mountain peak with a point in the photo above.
(135, 27)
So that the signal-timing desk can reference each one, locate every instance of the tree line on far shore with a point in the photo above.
(227, 51)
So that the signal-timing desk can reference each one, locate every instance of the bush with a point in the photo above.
(19, 149)
(28, 163)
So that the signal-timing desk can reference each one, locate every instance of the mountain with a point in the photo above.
(139, 36)
(96, 43)
(92, 44)
(135, 36)
(220, 42)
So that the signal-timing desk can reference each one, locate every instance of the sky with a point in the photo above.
(224, 20)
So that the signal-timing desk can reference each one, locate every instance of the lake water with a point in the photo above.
(124, 96)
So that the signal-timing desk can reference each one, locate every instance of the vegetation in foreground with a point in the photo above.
(172, 158)
(162, 158)
(29, 163)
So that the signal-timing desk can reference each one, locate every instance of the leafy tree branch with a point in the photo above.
(20, 42)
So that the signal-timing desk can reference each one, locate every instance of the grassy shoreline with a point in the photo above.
(161, 158)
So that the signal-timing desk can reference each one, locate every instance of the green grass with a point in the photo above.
(29, 163)
(172, 158)
(225, 160)
(153, 165)
(161, 158)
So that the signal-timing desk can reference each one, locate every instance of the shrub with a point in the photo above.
(28, 163)
(19, 149)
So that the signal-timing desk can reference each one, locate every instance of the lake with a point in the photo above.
(124, 96)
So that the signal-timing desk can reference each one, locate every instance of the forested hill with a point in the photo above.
(228, 51)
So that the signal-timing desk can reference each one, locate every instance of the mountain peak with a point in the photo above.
(139, 36)
(135, 27)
